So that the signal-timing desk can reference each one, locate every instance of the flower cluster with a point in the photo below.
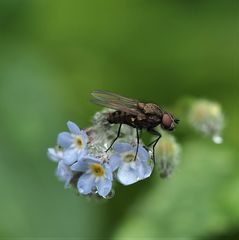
(84, 164)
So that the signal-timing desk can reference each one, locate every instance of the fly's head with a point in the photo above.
(168, 121)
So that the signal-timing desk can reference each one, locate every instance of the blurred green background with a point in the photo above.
(54, 53)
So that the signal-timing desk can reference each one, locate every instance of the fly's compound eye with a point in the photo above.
(167, 122)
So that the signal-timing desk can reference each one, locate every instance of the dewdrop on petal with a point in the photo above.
(207, 117)
(167, 153)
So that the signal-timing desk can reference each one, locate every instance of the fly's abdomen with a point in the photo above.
(119, 117)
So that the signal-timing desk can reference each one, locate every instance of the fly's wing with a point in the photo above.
(115, 101)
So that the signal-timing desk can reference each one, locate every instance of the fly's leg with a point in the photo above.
(137, 147)
(118, 134)
(154, 142)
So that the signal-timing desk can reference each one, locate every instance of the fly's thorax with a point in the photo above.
(150, 108)
(147, 121)
(155, 119)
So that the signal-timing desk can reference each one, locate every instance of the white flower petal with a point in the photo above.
(85, 183)
(126, 175)
(80, 154)
(104, 186)
(122, 147)
(132, 165)
(143, 154)
(70, 156)
(84, 137)
(73, 128)
(144, 170)
(108, 171)
(80, 166)
(64, 139)
(64, 173)
(54, 155)
(90, 159)
(114, 162)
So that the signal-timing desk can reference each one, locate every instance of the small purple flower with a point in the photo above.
(74, 143)
(130, 170)
(96, 175)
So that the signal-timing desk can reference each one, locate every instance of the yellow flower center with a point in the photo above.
(97, 169)
(78, 142)
(129, 157)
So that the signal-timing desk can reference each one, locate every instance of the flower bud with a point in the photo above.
(207, 117)
(167, 153)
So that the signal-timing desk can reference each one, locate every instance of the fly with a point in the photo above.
(136, 114)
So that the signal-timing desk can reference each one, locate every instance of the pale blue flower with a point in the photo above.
(74, 143)
(97, 175)
(130, 170)
(64, 173)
